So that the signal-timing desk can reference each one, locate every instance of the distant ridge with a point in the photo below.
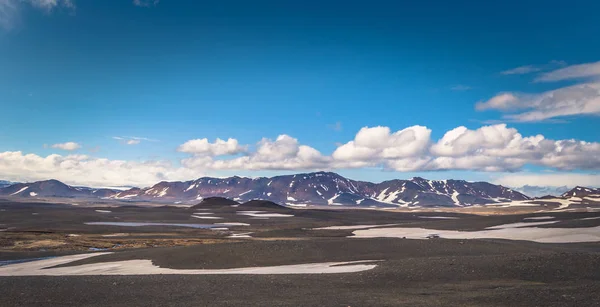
(306, 189)
(53, 188)
(579, 191)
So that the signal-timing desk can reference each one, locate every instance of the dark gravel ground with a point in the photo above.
(434, 272)
(413, 273)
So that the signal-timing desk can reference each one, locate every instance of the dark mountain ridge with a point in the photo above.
(306, 189)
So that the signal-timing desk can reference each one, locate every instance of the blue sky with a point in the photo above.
(157, 74)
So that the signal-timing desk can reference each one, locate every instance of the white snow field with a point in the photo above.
(509, 232)
(145, 267)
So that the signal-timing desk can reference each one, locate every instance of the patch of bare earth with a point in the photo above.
(68, 242)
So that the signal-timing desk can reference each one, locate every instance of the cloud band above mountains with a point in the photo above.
(495, 148)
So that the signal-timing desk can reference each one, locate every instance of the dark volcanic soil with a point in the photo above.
(435, 272)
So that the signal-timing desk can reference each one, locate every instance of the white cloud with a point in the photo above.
(494, 148)
(580, 99)
(503, 101)
(285, 153)
(132, 140)
(490, 148)
(521, 70)
(587, 70)
(85, 170)
(551, 179)
(220, 147)
(499, 148)
(379, 143)
(49, 5)
(145, 3)
(70, 146)
(9, 9)
(8, 13)
(527, 69)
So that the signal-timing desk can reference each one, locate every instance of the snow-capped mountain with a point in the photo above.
(582, 192)
(310, 189)
(329, 189)
(537, 191)
(4, 183)
(53, 188)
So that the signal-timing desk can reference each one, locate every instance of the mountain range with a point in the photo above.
(4, 183)
(54, 188)
(326, 188)
(537, 191)
(309, 189)
(319, 188)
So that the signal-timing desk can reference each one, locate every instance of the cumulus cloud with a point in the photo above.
(374, 143)
(203, 147)
(499, 148)
(85, 170)
(580, 99)
(70, 146)
(587, 70)
(492, 148)
(284, 153)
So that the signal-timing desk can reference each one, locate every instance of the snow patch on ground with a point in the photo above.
(103, 211)
(163, 192)
(120, 234)
(19, 191)
(46, 267)
(353, 227)
(208, 217)
(298, 205)
(516, 203)
(331, 200)
(519, 225)
(233, 224)
(241, 235)
(263, 214)
(245, 193)
(455, 198)
(33, 194)
(535, 234)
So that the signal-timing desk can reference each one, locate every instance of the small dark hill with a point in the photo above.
(263, 204)
(216, 202)
(546, 197)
